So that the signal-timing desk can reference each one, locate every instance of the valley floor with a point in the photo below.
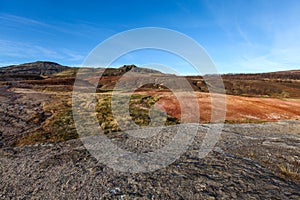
(39, 160)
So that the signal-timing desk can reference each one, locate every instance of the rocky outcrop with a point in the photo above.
(126, 68)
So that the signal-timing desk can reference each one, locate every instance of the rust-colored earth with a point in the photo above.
(239, 109)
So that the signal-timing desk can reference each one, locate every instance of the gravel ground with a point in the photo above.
(66, 170)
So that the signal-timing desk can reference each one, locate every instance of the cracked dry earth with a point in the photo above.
(246, 163)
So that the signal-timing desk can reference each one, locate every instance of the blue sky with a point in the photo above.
(239, 36)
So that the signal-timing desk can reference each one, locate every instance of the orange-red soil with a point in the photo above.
(238, 108)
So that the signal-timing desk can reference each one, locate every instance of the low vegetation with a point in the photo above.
(61, 127)
(58, 80)
(290, 171)
(279, 88)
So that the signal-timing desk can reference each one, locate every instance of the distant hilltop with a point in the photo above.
(48, 68)
(36, 70)
(40, 69)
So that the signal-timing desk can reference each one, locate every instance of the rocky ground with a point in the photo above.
(250, 161)
(20, 113)
(235, 169)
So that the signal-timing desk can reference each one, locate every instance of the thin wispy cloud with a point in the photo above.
(82, 28)
(72, 55)
(18, 50)
(265, 40)
(240, 36)
(21, 20)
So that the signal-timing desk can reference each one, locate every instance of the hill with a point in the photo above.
(53, 76)
(42, 69)
(34, 70)
(282, 84)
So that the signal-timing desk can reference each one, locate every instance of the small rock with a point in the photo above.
(115, 191)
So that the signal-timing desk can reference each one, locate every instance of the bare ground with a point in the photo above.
(240, 109)
(244, 164)
(250, 161)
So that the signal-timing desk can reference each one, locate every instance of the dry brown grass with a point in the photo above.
(290, 171)
(60, 126)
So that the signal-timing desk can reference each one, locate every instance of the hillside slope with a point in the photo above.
(30, 70)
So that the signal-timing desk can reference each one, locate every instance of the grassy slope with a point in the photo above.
(60, 127)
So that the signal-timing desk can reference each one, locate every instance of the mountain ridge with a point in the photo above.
(46, 68)
(49, 67)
